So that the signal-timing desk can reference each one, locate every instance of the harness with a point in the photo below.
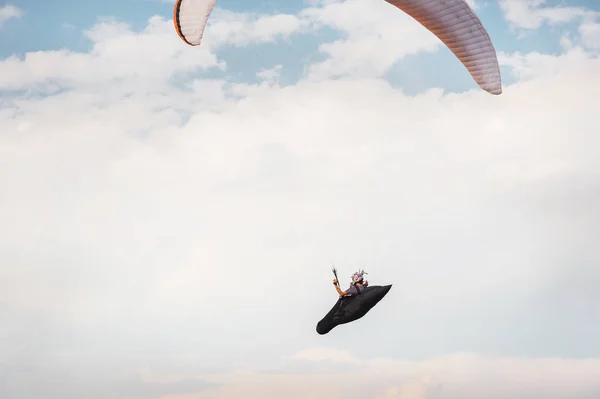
(359, 289)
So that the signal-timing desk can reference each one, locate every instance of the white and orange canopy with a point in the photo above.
(452, 21)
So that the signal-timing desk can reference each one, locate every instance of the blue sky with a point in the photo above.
(170, 213)
(63, 22)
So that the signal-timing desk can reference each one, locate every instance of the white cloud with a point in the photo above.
(461, 376)
(590, 35)
(473, 4)
(116, 44)
(535, 65)
(320, 354)
(376, 37)
(118, 54)
(244, 28)
(9, 12)
(530, 14)
(271, 74)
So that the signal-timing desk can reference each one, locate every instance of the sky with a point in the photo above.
(170, 214)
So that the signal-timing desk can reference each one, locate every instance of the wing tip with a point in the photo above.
(177, 25)
(496, 91)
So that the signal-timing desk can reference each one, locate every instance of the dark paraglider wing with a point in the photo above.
(348, 309)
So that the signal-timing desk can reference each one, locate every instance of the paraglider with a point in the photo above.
(353, 303)
(452, 21)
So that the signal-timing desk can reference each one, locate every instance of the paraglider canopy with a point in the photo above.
(452, 21)
(459, 28)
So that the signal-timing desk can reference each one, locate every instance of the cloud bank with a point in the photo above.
(168, 234)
